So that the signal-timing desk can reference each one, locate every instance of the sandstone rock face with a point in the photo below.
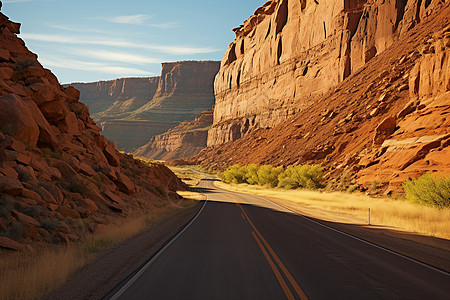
(185, 140)
(290, 54)
(132, 110)
(385, 122)
(54, 164)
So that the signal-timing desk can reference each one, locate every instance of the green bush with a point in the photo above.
(301, 176)
(429, 189)
(234, 174)
(251, 175)
(268, 175)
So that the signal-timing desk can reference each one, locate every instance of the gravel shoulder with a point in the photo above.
(118, 263)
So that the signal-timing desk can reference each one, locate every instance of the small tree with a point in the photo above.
(268, 175)
(429, 189)
(301, 176)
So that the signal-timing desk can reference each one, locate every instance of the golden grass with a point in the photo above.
(353, 208)
(187, 175)
(30, 275)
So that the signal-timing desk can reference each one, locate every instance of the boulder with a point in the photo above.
(47, 196)
(4, 55)
(69, 124)
(26, 193)
(111, 155)
(124, 184)
(73, 93)
(68, 212)
(17, 119)
(25, 218)
(27, 174)
(10, 186)
(89, 205)
(86, 169)
(54, 111)
(114, 198)
(384, 130)
(6, 73)
(8, 243)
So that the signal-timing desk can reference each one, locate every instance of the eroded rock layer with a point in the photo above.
(132, 110)
(59, 178)
(289, 54)
(380, 120)
(185, 140)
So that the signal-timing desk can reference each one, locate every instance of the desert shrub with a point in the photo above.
(352, 188)
(51, 153)
(251, 175)
(76, 186)
(268, 175)
(234, 174)
(301, 176)
(429, 189)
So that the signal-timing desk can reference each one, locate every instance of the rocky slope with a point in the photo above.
(59, 178)
(185, 140)
(361, 87)
(130, 111)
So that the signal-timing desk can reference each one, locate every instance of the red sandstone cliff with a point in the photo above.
(361, 87)
(59, 178)
(185, 140)
(132, 110)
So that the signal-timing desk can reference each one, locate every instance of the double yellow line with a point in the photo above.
(261, 243)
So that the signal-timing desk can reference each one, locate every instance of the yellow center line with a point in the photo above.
(294, 284)
(283, 284)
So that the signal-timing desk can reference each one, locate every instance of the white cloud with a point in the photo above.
(132, 19)
(92, 66)
(79, 40)
(117, 56)
(15, 1)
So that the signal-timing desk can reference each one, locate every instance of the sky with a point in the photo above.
(85, 41)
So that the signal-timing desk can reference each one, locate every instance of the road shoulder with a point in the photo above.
(116, 264)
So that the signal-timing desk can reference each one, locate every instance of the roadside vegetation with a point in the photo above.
(32, 274)
(429, 189)
(352, 208)
(301, 188)
(293, 177)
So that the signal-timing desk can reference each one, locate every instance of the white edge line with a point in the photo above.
(354, 237)
(150, 262)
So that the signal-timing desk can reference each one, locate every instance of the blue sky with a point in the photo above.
(82, 41)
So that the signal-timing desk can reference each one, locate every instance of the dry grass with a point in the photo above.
(353, 208)
(187, 175)
(31, 275)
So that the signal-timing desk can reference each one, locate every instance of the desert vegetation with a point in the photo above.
(32, 274)
(429, 189)
(300, 176)
(353, 208)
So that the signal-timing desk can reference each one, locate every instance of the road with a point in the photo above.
(245, 247)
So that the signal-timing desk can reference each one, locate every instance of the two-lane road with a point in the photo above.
(245, 247)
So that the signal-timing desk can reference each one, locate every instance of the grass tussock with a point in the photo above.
(353, 208)
(30, 275)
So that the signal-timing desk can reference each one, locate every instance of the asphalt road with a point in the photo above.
(245, 247)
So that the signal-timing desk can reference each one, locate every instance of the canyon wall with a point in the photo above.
(184, 140)
(131, 111)
(372, 115)
(290, 54)
(60, 179)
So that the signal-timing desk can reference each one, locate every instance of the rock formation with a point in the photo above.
(185, 140)
(361, 87)
(59, 178)
(289, 54)
(132, 110)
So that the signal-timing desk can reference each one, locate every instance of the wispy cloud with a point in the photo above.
(63, 39)
(117, 56)
(92, 66)
(132, 19)
(15, 1)
(81, 29)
